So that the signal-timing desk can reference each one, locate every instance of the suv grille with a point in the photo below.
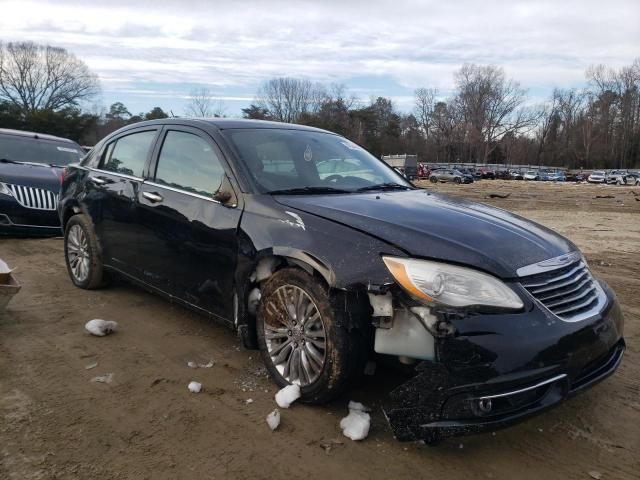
(569, 292)
(36, 198)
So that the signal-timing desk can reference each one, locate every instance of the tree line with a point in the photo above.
(487, 118)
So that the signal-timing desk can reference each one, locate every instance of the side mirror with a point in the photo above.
(222, 196)
(225, 194)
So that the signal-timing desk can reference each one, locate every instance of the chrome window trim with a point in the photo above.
(549, 264)
(123, 175)
(184, 192)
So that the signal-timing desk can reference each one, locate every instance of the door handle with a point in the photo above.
(152, 197)
(98, 180)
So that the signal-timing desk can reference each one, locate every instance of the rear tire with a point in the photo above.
(457, 180)
(303, 339)
(82, 253)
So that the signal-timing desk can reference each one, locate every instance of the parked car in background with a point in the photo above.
(531, 175)
(503, 175)
(597, 176)
(555, 177)
(576, 176)
(450, 175)
(31, 168)
(617, 177)
(487, 173)
(500, 318)
(516, 175)
(472, 172)
(632, 178)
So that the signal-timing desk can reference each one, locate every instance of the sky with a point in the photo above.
(154, 53)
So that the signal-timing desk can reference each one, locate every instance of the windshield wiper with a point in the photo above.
(307, 190)
(384, 186)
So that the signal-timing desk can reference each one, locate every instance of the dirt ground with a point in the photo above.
(56, 423)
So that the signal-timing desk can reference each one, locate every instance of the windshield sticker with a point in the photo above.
(308, 154)
(65, 149)
(351, 145)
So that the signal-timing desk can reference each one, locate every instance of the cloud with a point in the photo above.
(235, 45)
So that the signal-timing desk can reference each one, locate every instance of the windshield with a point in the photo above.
(29, 149)
(281, 160)
(598, 172)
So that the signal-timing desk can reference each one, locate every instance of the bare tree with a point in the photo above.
(204, 104)
(548, 120)
(491, 105)
(288, 99)
(36, 77)
(425, 103)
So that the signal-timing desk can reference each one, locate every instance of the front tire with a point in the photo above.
(457, 180)
(82, 253)
(302, 339)
(433, 179)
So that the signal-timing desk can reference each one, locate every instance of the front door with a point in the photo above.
(189, 242)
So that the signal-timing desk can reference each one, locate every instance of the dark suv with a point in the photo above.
(321, 256)
(31, 165)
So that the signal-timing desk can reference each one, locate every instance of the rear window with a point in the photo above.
(33, 150)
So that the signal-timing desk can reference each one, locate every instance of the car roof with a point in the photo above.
(228, 124)
(35, 135)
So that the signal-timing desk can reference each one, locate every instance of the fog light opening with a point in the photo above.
(485, 405)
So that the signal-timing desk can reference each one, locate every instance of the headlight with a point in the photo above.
(4, 189)
(435, 282)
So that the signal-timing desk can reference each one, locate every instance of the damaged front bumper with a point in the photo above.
(498, 370)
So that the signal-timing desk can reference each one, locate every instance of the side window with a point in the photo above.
(188, 162)
(127, 155)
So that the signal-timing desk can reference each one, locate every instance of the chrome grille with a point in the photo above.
(36, 198)
(569, 292)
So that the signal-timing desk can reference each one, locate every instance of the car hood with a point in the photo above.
(435, 226)
(31, 175)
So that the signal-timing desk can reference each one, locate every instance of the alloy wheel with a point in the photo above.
(78, 254)
(295, 335)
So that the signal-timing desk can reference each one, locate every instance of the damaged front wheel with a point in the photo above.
(300, 339)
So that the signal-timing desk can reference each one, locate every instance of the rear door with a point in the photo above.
(188, 243)
(112, 192)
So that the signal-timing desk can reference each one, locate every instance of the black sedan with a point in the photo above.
(31, 166)
(498, 317)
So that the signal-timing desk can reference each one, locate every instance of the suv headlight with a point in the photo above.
(4, 189)
(435, 282)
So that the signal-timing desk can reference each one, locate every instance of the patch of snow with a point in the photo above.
(358, 406)
(288, 395)
(103, 378)
(273, 419)
(206, 365)
(100, 328)
(91, 365)
(192, 365)
(356, 425)
(195, 387)
(249, 401)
